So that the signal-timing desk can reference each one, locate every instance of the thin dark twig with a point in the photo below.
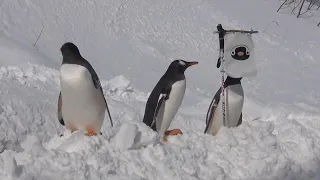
(39, 35)
(300, 8)
(282, 5)
(294, 8)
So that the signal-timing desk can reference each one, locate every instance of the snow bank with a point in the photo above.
(281, 146)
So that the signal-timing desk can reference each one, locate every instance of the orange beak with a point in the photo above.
(192, 63)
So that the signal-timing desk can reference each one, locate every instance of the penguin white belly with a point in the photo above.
(234, 98)
(170, 107)
(83, 105)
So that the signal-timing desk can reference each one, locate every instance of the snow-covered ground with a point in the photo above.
(130, 44)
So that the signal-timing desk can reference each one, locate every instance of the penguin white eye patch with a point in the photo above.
(182, 63)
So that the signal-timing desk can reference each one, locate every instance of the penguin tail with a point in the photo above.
(240, 120)
(61, 122)
(109, 114)
(154, 127)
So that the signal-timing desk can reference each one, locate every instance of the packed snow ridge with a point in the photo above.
(279, 146)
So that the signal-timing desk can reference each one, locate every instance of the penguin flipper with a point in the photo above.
(111, 121)
(60, 118)
(162, 97)
(212, 109)
(97, 85)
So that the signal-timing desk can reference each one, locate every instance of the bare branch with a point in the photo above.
(296, 6)
(39, 35)
(300, 4)
(300, 8)
(282, 5)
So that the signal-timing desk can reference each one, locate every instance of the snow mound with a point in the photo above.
(120, 86)
(281, 145)
(126, 136)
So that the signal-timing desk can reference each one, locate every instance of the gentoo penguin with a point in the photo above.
(81, 103)
(234, 98)
(166, 98)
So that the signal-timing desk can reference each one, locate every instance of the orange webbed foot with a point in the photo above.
(173, 132)
(90, 132)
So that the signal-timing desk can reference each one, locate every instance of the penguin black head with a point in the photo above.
(68, 49)
(179, 66)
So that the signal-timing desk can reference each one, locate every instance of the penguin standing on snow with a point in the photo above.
(81, 103)
(234, 102)
(166, 98)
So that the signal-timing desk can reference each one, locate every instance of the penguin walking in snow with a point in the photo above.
(81, 103)
(166, 98)
(234, 102)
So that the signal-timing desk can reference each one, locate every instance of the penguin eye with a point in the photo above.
(233, 53)
(247, 52)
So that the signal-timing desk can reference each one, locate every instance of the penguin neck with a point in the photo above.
(72, 59)
(232, 81)
(174, 75)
